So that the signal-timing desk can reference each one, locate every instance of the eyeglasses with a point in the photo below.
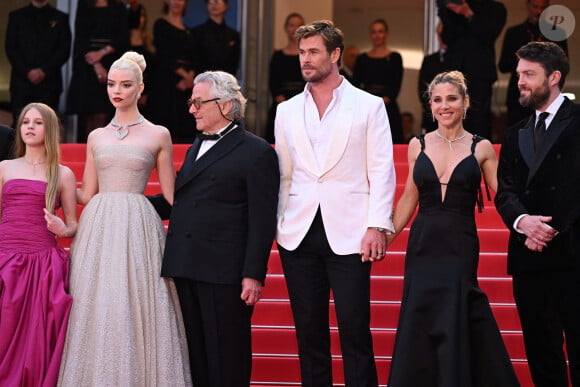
(198, 102)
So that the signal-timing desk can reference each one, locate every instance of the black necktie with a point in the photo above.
(540, 131)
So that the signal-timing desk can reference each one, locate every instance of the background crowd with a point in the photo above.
(175, 53)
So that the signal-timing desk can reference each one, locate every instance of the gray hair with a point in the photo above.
(225, 87)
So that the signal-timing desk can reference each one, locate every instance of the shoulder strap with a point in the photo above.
(476, 139)
(480, 204)
(421, 138)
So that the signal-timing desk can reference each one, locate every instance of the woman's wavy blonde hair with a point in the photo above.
(51, 148)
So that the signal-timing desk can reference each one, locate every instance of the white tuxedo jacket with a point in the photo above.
(355, 187)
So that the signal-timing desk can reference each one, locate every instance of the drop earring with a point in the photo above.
(464, 113)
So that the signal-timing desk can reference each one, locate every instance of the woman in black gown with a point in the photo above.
(380, 72)
(447, 335)
(172, 78)
(101, 36)
(285, 80)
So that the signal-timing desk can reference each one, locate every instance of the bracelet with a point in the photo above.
(105, 50)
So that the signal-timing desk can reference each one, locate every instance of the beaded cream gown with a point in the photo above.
(125, 327)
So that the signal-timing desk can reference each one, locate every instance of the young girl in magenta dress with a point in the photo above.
(34, 299)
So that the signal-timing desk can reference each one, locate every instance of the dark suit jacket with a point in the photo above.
(223, 219)
(6, 142)
(471, 44)
(431, 66)
(543, 184)
(37, 37)
(216, 47)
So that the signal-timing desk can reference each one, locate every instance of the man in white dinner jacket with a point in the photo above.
(336, 197)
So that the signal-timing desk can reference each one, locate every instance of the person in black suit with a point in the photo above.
(38, 42)
(220, 233)
(216, 45)
(470, 30)
(432, 65)
(537, 198)
(514, 38)
(6, 142)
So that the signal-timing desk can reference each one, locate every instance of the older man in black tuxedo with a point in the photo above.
(537, 197)
(6, 142)
(220, 232)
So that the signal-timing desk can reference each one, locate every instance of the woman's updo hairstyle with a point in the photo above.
(131, 61)
(455, 78)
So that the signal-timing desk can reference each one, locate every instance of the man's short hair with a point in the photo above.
(332, 36)
(549, 55)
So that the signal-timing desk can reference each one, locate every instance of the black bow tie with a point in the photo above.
(216, 136)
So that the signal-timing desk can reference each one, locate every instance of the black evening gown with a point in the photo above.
(167, 105)
(447, 335)
(285, 79)
(96, 27)
(383, 77)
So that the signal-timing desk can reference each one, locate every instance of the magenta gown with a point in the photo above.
(34, 302)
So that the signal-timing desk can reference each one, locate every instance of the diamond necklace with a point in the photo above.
(448, 140)
(121, 135)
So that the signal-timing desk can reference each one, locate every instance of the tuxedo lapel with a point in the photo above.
(304, 149)
(340, 132)
(560, 122)
(215, 153)
(526, 142)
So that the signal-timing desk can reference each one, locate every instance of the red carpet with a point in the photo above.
(275, 352)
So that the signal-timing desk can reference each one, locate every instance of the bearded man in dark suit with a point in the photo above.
(537, 197)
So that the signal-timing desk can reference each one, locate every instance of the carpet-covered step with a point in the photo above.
(282, 341)
(490, 264)
(491, 240)
(285, 370)
(390, 288)
(384, 314)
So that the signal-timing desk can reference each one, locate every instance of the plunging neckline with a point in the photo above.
(443, 197)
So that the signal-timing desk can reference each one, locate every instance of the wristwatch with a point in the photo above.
(380, 229)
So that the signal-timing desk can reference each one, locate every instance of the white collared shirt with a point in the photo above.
(319, 128)
(552, 109)
(207, 144)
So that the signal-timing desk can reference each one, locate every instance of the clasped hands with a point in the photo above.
(537, 231)
(461, 9)
(373, 246)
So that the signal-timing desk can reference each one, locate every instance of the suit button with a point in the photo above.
(527, 192)
(194, 203)
(188, 234)
(175, 202)
(212, 177)
(169, 233)
(552, 188)
(320, 180)
(558, 156)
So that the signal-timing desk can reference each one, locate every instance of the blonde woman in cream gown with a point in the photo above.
(125, 327)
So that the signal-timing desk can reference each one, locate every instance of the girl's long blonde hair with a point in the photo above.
(51, 148)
